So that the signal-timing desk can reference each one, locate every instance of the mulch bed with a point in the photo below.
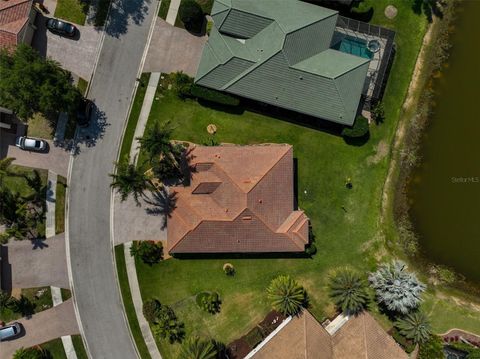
(455, 334)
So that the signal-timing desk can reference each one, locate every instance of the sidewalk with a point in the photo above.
(144, 112)
(51, 197)
(173, 11)
(138, 304)
(66, 339)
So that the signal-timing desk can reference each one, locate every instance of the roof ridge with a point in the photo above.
(12, 4)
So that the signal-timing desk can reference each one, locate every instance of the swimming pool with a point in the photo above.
(351, 45)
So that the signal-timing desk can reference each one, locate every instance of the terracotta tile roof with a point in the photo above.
(13, 17)
(240, 199)
(304, 338)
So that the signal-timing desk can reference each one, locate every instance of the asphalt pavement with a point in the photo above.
(93, 272)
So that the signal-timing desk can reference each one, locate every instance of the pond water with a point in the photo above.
(444, 192)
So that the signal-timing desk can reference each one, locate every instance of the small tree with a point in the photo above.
(151, 310)
(168, 326)
(156, 140)
(229, 269)
(348, 291)
(196, 348)
(191, 15)
(130, 180)
(396, 288)
(150, 252)
(286, 295)
(414, 326)
(431, 349)
(22, 305)
(209, 302)
(359, 129)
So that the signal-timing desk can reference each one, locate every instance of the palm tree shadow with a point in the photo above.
(162, 203)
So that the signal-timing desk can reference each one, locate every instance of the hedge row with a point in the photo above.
(214, 96)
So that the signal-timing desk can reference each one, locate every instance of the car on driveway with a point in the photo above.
(84, 112)
(10, 331)
(31, 144)
(61, 27)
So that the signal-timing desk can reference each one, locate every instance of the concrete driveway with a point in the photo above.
(133, 223)
(56, 159)
(43, 327)
(76, 55)
(173, 49)
(28, 265)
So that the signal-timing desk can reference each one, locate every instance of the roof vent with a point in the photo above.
(260, 201)
(247, 218)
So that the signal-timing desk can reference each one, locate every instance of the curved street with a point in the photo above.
(92, 265)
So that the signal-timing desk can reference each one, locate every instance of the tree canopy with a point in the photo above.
(30, 83)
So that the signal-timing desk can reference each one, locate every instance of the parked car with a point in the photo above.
(61, 27)
(10, 331)
(31, 144)
(84, 112)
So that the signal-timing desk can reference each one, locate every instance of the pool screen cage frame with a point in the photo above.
(374, 31)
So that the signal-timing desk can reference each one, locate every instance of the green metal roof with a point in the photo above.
(278, 52)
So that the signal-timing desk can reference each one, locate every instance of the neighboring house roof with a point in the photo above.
(361, 337)
(13, 18)
(240, 200)
(279, 52)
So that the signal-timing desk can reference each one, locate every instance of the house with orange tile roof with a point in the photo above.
(303, 337)
(17, 18)
(240, 199)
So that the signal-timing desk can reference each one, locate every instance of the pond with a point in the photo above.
(444, 192)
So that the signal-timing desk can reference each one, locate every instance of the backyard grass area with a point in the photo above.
(128, 303)
(39, 126)
(134, 113)
(346, 223)
(72, 10)
(60, 205)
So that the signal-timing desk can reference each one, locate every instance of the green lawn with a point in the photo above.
(163, 11)
(72, 10)
(350, 237)
(82, 86)
(134, 113)
(79, 347)
(128, 303)
(55, 349)
(60, 205)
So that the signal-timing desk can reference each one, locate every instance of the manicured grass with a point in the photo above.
(128, 303)
(134, 113)
(60, 205)
(55, 349)
(163, 11)
(79, 347)
(82, 86)
(41, 302)
(72, 10)
(39, 126)
(66, 294)
(350, 237)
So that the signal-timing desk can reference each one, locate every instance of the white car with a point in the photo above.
(10, 331)
(31, 144)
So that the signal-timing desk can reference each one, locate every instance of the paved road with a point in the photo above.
(96, 291)
(43, 327)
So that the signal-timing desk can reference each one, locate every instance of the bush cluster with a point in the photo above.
(150, 252)
(191, 14)
(164, 321)
(214, 96)
(359, 129)
(209, 302)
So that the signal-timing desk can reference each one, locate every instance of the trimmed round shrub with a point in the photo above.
(311, 249)
(150, 252)
(359, 129)
(214, 96)
(191, 15)
(229, 269)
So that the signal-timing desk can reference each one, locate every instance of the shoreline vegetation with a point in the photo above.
(406, 147)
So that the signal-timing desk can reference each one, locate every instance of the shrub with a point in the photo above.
(196, 348)
(407, 344)
(311, 249)
(472, 352)
(209, 27)
(359, 128)
(168, 326)
(396, 288)
(151, 310)
(214, 96)
(378, 112)
(414, 326)
(149, 252)
(182, 84)
(209, 302)
(229, 269)
(348, 291)
(30, 353)
(191, 15)
(431, 349)
(287, 295)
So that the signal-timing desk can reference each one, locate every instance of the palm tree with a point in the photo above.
(348, 291)
(287, 295)
(168, 326)
(196, 348)
(36, 184)
(130, 180)
(414, 326)
(31, 353)
(156, 141)
(5, 165)
(22, 305)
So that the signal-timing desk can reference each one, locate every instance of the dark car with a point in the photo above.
(84, 112)
(61, 27)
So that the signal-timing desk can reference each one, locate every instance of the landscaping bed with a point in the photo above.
(38, 300)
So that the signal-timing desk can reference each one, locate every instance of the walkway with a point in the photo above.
(51, 198)
(43, 327)
(173, 11)
(138, 303)
(66, 339)
(144, 112)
